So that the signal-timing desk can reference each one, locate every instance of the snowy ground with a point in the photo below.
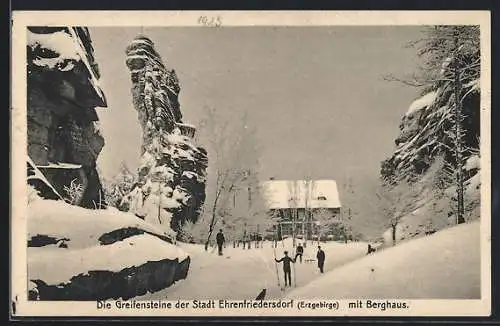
(242, 274)
(445, 265)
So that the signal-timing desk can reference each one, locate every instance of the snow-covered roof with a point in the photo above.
(293, 193)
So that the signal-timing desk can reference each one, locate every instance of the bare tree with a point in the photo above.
(309, 189)
(293, 200)
(249, 213)
(396, 199)
(231, 154)
(323, 221)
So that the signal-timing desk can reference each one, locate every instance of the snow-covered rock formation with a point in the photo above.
(425, 126)
(63, 92)
(99, 254)
(425, 148)
(171, 187)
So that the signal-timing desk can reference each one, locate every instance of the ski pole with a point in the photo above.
(276, 264)
(294, 279)
(276, 267)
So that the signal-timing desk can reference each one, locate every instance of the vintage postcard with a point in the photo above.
(313, 163)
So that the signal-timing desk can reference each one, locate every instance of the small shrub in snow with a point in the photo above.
(74, 192)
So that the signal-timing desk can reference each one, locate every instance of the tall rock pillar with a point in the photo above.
(171, 187)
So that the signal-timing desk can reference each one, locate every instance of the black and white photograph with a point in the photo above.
(340, 168)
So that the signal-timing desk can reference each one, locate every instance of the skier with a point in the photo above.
(299, 253)
(286, 267)
(220, 241)
(321, 259)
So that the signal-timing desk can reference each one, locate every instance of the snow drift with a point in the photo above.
(82, 227)
(99, 254)
(445, 265)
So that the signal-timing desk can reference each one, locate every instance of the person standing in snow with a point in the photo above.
(220, 241)
(321, 259)
(286, 267)
(370, 249)
(299, 252)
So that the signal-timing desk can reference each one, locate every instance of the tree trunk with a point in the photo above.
(458, 146)
(393, 226)
(211, 229)
(212, 222)
(159, 204)
(304, 237)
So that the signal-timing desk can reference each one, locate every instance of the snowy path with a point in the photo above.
(444, 265)
(242, 274)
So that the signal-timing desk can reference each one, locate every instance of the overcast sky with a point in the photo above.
(317, 94)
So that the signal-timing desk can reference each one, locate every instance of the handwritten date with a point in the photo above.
(210, 21)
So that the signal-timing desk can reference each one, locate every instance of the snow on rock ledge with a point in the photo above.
(422, 102)
(99, 254)
(131, 252)
(81, 227)
(63, 49)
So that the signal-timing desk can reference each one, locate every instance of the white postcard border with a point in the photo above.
(236, 18)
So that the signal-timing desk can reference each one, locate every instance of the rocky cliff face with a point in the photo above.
(425, 130)
(171, 187)
(63, 92)
(423, 150)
